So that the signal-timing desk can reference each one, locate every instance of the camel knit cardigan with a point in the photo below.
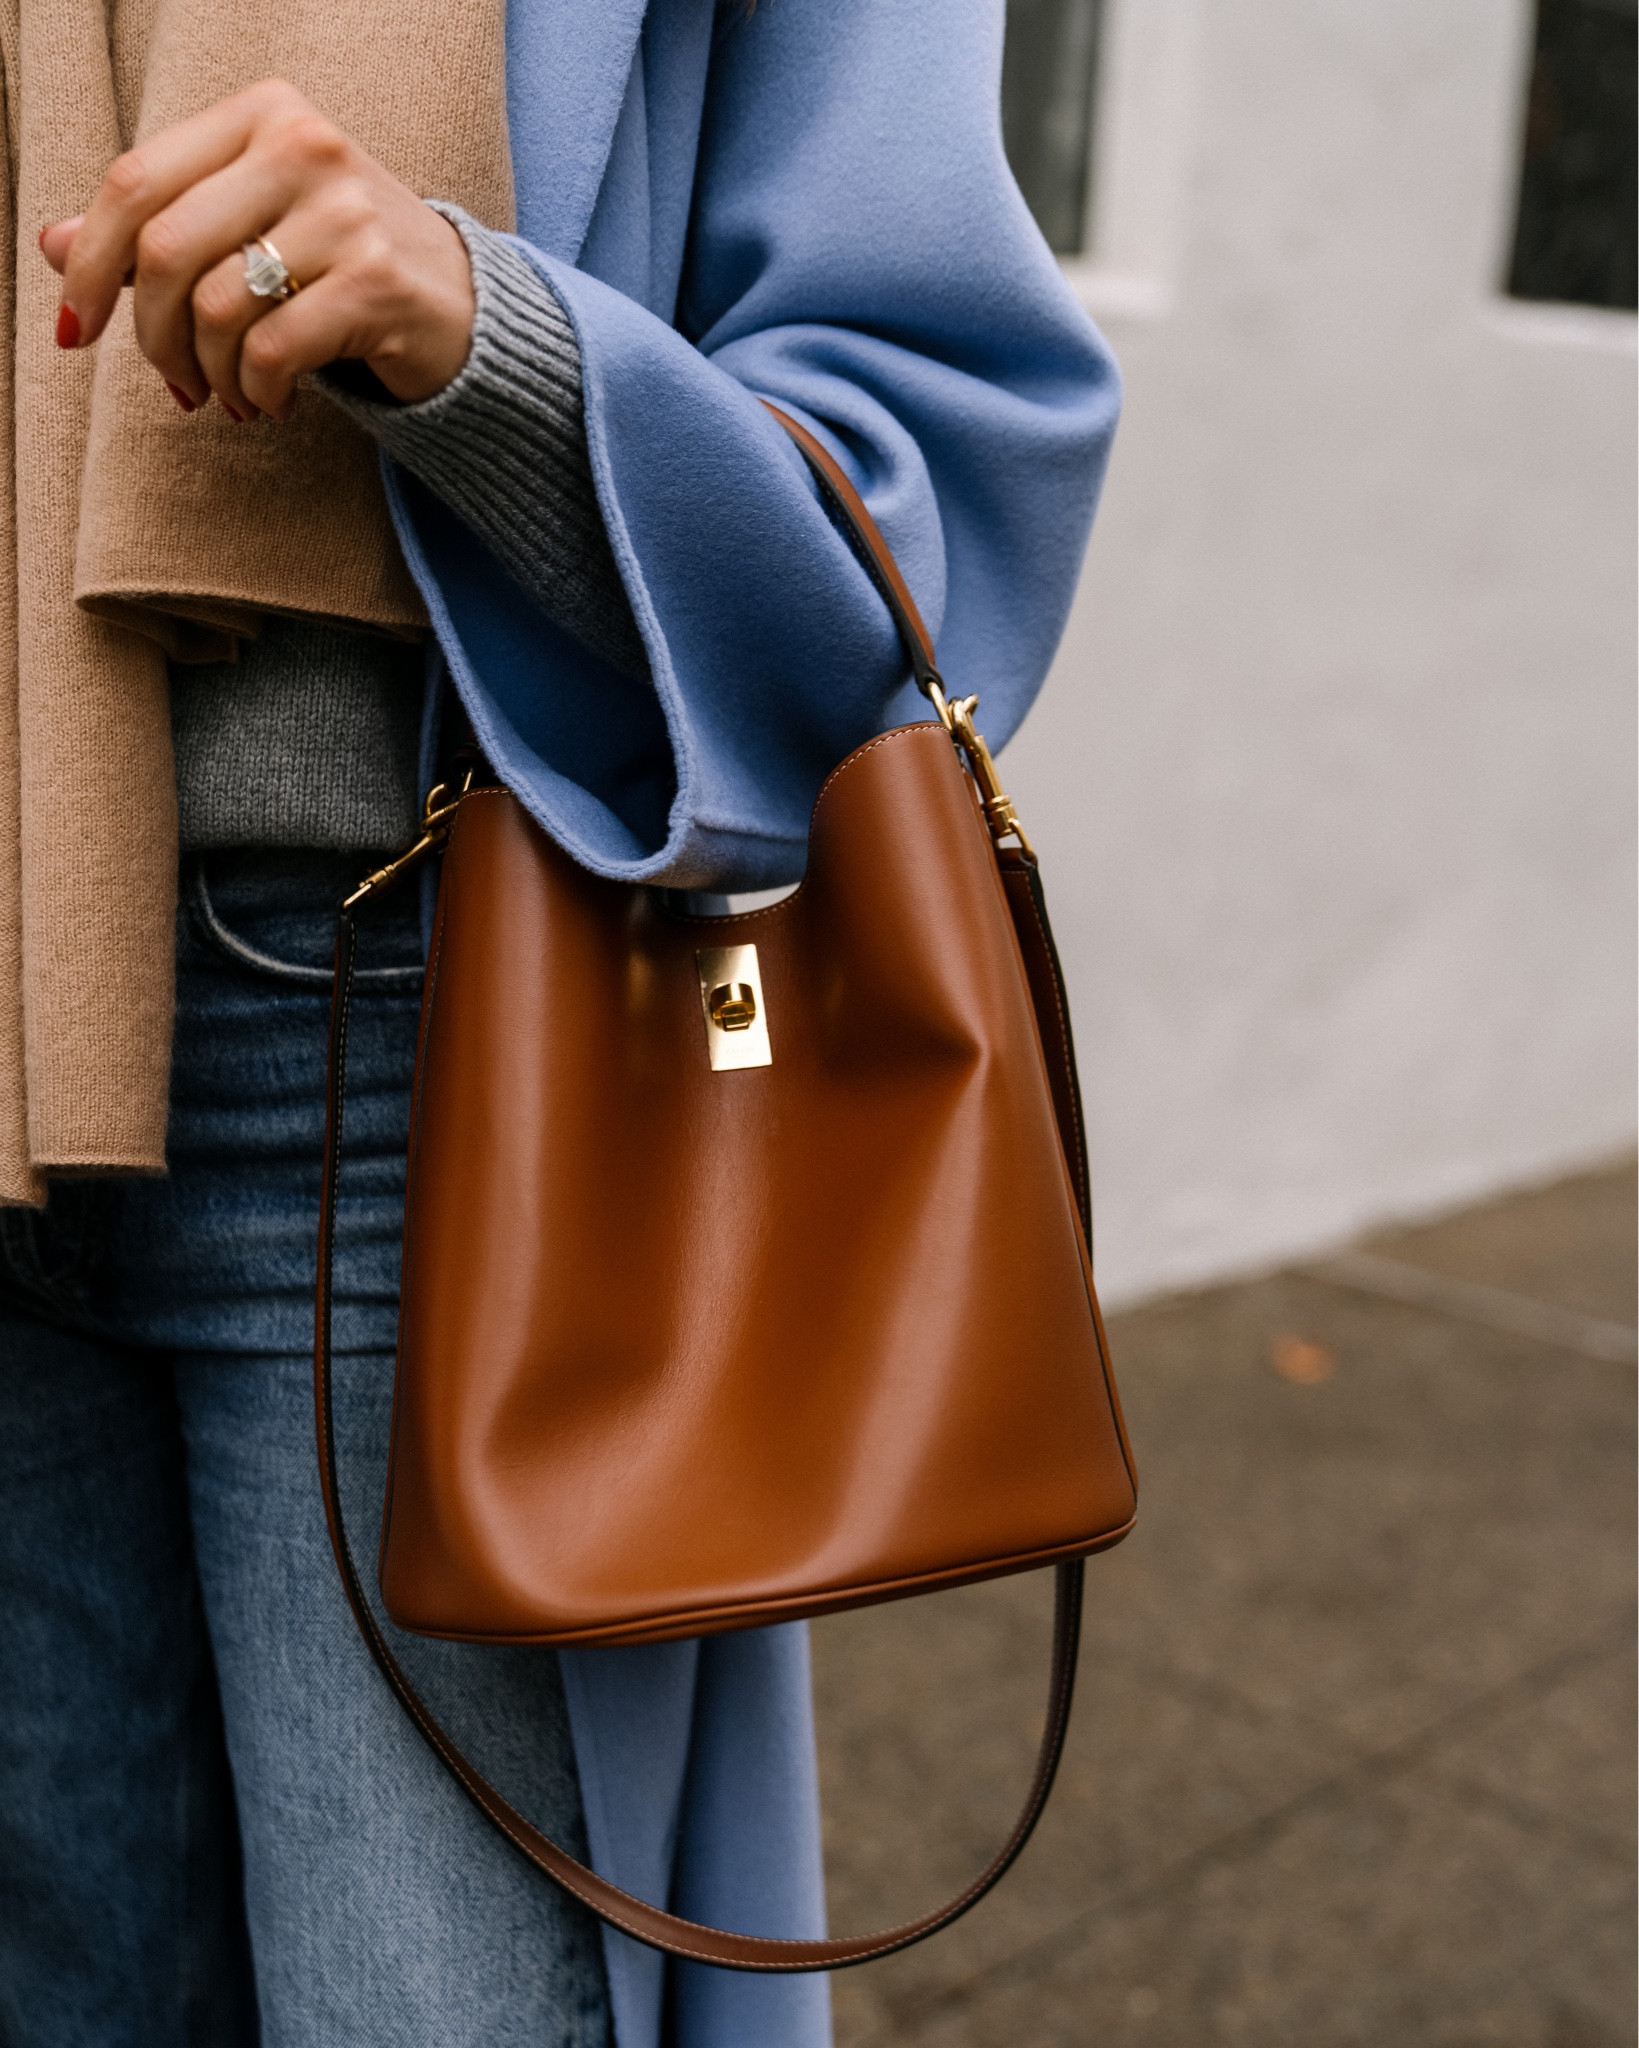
(311, 737)
(131, 532)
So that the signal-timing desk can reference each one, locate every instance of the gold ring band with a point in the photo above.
(267, 276)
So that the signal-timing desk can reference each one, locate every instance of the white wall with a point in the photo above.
(1333, 777)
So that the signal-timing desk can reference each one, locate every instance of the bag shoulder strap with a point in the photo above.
(644, 1922)
(865, 537)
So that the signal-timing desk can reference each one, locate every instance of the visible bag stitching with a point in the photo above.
(755, 1953)
(1065, 1040)
(918, 731)
(429, 1006)
(649, 1924)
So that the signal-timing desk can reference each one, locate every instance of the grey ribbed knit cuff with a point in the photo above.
(504, 445)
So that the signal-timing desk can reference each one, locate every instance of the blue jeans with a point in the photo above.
(216, 1826)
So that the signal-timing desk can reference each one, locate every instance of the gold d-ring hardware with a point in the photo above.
(956, 715)
(436, 819)
(732, 1006)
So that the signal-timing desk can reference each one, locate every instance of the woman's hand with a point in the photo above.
(382, 277)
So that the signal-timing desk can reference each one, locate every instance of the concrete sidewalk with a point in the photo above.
(1352, 1760)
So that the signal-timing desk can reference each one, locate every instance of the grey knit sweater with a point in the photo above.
(311, 737)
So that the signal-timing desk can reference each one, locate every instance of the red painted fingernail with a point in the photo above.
(232, 415)
(182, 398)
(68, 327)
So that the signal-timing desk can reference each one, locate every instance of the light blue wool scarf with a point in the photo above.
(811, 203)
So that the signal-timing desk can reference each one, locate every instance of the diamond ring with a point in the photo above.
(265, 273)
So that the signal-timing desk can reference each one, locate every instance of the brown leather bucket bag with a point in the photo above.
(746, 1268)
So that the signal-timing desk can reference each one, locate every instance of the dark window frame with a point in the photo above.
(1574, 240)
(1049, 101)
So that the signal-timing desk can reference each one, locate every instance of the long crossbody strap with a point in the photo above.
(644, 1922)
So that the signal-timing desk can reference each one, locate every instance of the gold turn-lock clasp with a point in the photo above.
(732, 1006)
(731, 1000)
(956, 715)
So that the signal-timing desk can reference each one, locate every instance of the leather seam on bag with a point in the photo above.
(429, 1008)
(917, 790)
(925, 725)
(1083, 1183)
(780, 1606)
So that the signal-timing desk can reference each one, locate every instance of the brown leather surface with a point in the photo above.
(872, 1268)
(1022, 883)
(637, 1917)
(683, 1350)
(1021, 879)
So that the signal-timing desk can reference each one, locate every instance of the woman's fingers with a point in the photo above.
(383, 278)
(387, 278)
(223, 312)
(57, 239)
(220, 313)
(327, 231)
(181, 253)
(145, 180)
(317, 327)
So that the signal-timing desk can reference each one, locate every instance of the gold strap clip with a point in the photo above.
(437, 817)
(956, 715)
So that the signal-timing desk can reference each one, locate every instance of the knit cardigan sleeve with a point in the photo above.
(504, 446)
(20, 1182)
